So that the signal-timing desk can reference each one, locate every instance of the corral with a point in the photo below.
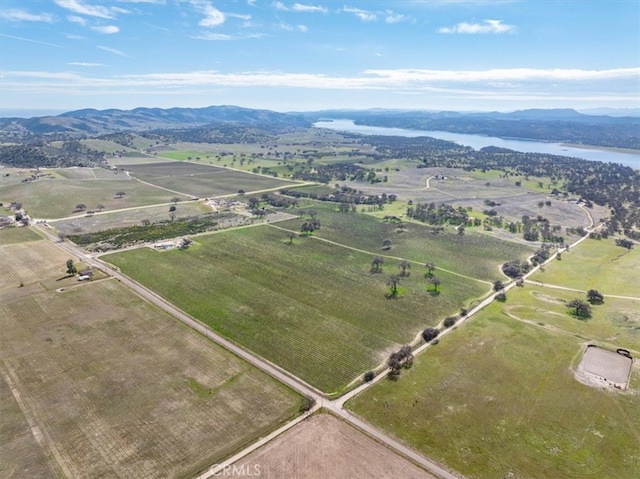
(600, 367)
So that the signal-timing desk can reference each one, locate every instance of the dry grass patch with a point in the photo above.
(324, 446)
(118, 388)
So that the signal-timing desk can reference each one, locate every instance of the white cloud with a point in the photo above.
(224, 37)
(299, 7)
(77, 19)
(615, 85)
(212, 16)
(106, 29)
(364, 15)
(77, 6)
(393, 17)
(158, 2)
(489, 26)
(16, 15)
(113, 50)
(30, 40)
(292, 28)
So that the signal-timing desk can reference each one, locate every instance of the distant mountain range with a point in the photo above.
(558, 125)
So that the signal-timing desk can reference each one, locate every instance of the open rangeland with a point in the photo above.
(616, 323)
(59, 197)
(311, 307)
(499, 399)
(202, 180)
(326, 447)
(596, 264)
(97, 382)
(474, 254)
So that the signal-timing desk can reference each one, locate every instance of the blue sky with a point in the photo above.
(310, 55)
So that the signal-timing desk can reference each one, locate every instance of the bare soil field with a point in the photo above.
(600, 366)
(109, 386)
(326, 447)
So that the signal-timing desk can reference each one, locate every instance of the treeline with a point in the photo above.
(337, 172)
(605, 184)
(222, 133)
(117, 238)
(343, 195)
(42, 154)
(600, 131)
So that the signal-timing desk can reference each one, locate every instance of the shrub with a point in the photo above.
(450, 321)
(429, 334)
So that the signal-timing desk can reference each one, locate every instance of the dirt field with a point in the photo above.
(600, 367)
(95, 382)
(325, 447)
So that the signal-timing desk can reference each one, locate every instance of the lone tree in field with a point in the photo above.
(404, 266)
(386, 244)
(100, 207)
(430, 334)
(71, 268)
(393, 283)
(175, 200)
(120, 194)
(581, 309)
(376, 264)
(435, 281)
(403, 358)
(430, 267)
(595, 297)
(497, 285)
(291, 235)
(81, 206)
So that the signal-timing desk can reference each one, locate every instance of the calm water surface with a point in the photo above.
(478, 141)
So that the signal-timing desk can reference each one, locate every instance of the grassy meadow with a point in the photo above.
(57, 198)
(498, 399)
(313, 308)
(96, 382)
(596, 264)
(475, 254)
(201, 180)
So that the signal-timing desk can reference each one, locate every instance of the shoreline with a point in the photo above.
(613, 149)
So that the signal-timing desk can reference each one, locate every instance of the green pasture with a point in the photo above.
(311, 307)
(13, 235)
(202, 180)
(58, 198)
(616, 323)
(474, 254)
(596, 264)
(498, 399)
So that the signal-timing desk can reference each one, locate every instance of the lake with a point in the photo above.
(479, 141)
